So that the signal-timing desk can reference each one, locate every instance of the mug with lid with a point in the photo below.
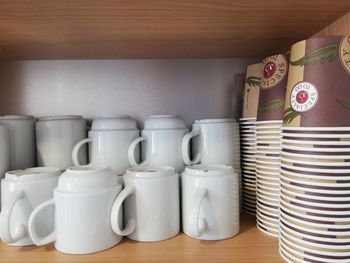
(151, 204)
(83, 201)
(22, 140)
(56, 137)
(109, 140)
(22, 191)
(213, 142)
(162, 136)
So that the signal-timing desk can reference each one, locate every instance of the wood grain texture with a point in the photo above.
(250, 245)
(338, 27)
(83, 29)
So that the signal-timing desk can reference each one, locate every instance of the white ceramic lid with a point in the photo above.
(113, 123)
(86, 178)
(209, 170)
(159, 122)
(17, 117)
(149, 171)
(61, 117)
(207, 121)
(31, 174)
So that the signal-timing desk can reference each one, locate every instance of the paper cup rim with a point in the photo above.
(314, 163)
(313, 156)
(316, 128)
(310, 149)
(315, 170)
(271, 121)
(321, 212)
(307, 135)
(315, 142)
(312, 190)
(311, 224)
(303, 176)
(314, 252)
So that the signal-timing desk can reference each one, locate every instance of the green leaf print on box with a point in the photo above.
(272, 105)
(319, 55)
(344, 104)
(253, 81)
(289, 115)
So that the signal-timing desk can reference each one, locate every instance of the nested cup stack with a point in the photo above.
(268, 136)
(315, 167)
(247, 137)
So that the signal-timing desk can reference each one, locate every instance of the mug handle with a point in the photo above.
(76, 148)
(116, 210)
(6, 212)
(31, 225)
(185, 146)
(131, 151)
(199, 224)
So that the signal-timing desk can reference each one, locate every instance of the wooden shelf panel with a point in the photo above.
(250, 245)
(83, 29)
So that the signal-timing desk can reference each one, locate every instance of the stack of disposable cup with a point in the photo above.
(237, 159)
(247, 136)
(315, 162)
(268, 136)
(248, 149)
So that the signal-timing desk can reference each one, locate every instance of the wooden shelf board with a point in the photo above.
(250, 245)
(85, 29)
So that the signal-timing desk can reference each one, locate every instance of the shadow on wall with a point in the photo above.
(237, 96)
(193, 89)
(11, 88)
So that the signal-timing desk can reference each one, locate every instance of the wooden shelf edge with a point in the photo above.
(250, 245)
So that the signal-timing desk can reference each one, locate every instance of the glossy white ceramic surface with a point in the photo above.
(22, 140)
(83, 201)
(151, 204)
(86, 178)
(4, 151)
(214, 141)
(109, 142)
(157, 122)
(56, 137)
(22, 191)
(210, 202)
(161, 142)
(113, 123)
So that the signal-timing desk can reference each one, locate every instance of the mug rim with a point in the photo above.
(209, 170)
(32, 174)
(60, 117)
(150, 172)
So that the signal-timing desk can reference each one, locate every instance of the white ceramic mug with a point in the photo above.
(213, 142)
(22, 191)
(210, 202)
(162, 136)
(4, 151)
(110, 139)
(151, 204)
(22, 140)
(83, 201)
(56, 137)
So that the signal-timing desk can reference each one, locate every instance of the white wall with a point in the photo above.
(193, 89)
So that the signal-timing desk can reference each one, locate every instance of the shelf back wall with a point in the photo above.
(193, 89)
